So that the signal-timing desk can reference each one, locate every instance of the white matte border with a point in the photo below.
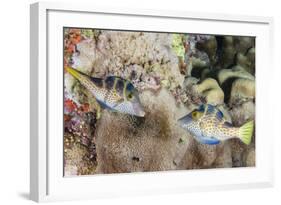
(58, 187)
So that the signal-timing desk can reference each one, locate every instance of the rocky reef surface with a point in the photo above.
(174, 73)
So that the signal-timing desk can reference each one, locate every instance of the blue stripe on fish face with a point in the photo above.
(185, 121)
(201, 108)
(119, 86)
(210, 109)
(97, 81)
(219, 115)
(109, 82)
(130, 87)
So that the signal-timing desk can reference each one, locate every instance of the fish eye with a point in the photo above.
(195, 115)
(130, 96)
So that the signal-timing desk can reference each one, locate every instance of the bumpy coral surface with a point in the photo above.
(174, 73)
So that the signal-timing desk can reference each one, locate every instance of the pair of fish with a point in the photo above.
(207, 123)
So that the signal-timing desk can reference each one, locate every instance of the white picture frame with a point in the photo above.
(46, 180)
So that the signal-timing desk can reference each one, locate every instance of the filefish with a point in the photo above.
(208, 126)
(113, 93)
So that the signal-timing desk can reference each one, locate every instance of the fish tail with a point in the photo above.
(246, 132)
(82, 78)
(76, 74)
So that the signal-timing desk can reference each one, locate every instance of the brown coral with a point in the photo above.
(211, 90)
(153, 143)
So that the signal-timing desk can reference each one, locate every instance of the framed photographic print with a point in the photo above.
(127, 102)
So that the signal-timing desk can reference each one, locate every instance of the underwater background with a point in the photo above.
(174, 74)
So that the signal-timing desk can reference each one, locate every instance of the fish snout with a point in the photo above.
(184, 121)
(140, 111)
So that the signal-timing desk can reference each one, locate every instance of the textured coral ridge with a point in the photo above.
(174, 73)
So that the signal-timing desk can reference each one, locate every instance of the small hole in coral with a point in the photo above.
(136, 159)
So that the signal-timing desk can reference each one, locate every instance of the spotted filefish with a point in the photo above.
(113, 93)
(208, 126)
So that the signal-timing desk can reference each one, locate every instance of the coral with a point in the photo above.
(224, 157)
(235, 72)
(199, 60)
(228, 52)
(247, 61)
(241, 113)
(178, 46)
(209, 46)
(227, 77)
(243, 43)
(153, 143)
(242, 89)
(200, 156)
(211, 91)
(231, 46)
(77, 160)
(115, 53)
(250, 157)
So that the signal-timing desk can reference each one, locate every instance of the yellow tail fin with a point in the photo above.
(246, 132)
(73, 72)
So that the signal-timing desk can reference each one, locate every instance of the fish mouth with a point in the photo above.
(139, 111)
(184, 121)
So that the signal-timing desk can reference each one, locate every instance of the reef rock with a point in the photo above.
(141, 57)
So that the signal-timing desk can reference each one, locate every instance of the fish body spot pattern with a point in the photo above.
(208, 126)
